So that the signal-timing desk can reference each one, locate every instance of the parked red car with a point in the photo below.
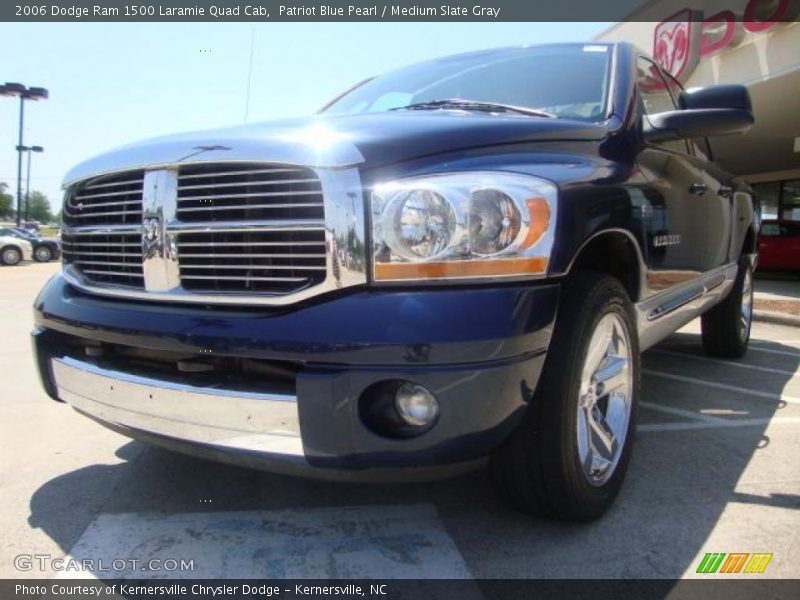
(779, 246)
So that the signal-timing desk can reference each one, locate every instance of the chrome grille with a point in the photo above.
(102, 236)
(278, 261)
(237, 192)
(281, 249)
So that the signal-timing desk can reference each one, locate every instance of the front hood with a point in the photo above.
(322, 141)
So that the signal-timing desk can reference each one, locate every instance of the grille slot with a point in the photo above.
(102, 235)
(109, 200)
(109, 257)
(266, 255)
(236, 192)
(277, 262)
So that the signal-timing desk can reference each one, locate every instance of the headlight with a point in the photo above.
(463, 226)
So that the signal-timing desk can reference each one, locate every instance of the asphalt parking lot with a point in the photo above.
(716, 468)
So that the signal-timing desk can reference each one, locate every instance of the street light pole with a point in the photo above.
(24, 93)
(29, 150)
(19, 158)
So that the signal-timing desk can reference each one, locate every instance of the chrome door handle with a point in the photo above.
(698, 189)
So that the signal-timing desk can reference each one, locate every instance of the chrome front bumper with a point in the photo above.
(220, 418)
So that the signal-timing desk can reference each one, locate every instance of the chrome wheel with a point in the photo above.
(604, 405)
(747, 304)
(11, 256)
(43, 254)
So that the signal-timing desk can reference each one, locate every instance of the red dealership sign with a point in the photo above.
(680, 41)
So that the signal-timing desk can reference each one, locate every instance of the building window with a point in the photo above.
(779, 199)
(790, 200)
(768, 196)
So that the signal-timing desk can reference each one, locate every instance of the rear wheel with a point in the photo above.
(10, 256)
(43, 254)
(569, 457)
(726, 327)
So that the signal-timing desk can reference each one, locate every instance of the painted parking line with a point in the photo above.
(702, 421)
(790, 343)
(679, 412)
(773, 351)
(723, 386)
(717, 424)
(727, 363)
(380, 542)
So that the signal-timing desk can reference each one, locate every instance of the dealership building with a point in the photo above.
(756, 43)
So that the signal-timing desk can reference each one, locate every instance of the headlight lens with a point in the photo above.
(419, 224)
(463, 226)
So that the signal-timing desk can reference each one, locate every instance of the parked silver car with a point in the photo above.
(14, 250)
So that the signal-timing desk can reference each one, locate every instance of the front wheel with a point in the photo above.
(726, 327)
(10, 256)
(569, 457)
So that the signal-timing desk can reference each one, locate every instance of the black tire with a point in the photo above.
(42, 254)
(538, 467)
(10, 256)
(725, 334)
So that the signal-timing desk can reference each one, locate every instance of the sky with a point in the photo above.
(115, 83)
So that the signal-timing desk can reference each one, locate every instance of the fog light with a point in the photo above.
(416, 405)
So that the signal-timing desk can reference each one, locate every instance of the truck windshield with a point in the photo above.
(567, 81)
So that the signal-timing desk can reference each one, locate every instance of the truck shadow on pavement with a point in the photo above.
(687, 473)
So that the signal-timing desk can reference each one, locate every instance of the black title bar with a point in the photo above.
(373, 10)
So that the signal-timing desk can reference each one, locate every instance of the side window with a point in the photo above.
(770, 229)
(656, 97)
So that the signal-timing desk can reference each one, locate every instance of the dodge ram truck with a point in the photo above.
(458, 259)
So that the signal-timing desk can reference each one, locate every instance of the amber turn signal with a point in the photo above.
(457, 269)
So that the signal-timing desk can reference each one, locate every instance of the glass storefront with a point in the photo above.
(779, 199)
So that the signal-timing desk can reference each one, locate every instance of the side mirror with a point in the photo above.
(705, 112)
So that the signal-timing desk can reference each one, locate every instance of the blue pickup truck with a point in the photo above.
(458, 259)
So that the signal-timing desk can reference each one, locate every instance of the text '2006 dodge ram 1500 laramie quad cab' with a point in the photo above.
(460, 258)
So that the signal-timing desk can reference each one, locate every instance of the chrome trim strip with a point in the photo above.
(256, 267)
(662, 314)
(249, 421)
(247, 172)
(107, 195)
(209, 186)
(94, 186)
(159, 247)
(223, 226)
(122, 229)
(220, 208)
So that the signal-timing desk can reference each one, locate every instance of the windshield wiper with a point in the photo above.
(462, 104)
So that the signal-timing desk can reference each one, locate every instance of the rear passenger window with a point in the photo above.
(655, 97)
(770, 230)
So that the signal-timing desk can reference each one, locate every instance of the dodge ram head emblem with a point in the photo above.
(151, 236)
(150, 229)
(675, 44)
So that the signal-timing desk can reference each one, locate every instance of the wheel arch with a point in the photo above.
(615, 252)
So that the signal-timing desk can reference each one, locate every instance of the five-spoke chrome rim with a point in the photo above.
(747, 304)
(604, 405)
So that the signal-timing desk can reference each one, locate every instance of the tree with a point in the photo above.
(6, 202)
(39, 207)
